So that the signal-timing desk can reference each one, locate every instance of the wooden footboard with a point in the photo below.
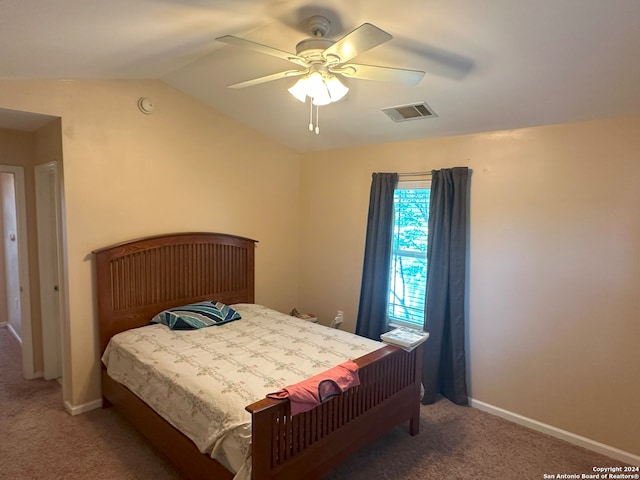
(310, 444)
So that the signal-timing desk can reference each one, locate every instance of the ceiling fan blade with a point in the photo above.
(383, 74)
(436, 60)
(269, 78)
(258, 47)
(356, 42)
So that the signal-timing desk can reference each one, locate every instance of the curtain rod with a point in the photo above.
(414, 174)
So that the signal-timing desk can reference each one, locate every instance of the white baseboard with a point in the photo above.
(78, 409)
(14, 334)
(584, 442)
(572, 438)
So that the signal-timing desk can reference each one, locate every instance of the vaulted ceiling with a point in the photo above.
(489, 64)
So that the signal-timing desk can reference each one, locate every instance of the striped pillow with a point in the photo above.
(196, 315)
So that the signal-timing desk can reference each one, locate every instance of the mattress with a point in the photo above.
(201, 380)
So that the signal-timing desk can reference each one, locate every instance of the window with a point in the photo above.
(408, 273)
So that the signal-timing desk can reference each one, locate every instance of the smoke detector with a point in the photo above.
(145, 105)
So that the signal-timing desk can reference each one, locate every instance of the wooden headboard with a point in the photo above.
(137, 279)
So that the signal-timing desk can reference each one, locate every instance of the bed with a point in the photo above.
(137, 279)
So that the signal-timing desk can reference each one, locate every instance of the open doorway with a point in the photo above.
(15, 262)
(31, 152)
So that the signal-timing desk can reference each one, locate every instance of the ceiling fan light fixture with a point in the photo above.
(317, 89)
(324, 62)
(322, 89)
(336, 88)
(299, 89)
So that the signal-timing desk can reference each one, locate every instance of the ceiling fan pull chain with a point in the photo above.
(311, 115)
(317, 118)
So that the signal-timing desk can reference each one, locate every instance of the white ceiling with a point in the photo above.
(490, 64)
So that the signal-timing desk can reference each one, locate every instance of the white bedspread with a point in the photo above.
(201, 380)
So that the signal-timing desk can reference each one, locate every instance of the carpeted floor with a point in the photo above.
(40, 440)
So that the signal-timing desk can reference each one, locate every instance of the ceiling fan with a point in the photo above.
(321, 59)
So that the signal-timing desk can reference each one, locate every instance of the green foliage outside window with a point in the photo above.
(408, 274)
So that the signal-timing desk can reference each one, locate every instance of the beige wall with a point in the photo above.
(184, 168)
(10, 263)
(4, 313)
(554, 267)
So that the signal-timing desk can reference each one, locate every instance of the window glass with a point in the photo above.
(408, 273)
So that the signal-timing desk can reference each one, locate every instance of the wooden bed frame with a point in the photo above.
(137, 279)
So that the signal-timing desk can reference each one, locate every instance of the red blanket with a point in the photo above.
(314, 390)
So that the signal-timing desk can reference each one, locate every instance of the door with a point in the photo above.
(49, 208)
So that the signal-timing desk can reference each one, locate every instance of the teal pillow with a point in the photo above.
(196, 315)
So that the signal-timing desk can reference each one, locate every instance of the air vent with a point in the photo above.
(403, 113)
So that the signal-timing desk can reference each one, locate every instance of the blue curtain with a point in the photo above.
(372, 311)
(444, 369)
